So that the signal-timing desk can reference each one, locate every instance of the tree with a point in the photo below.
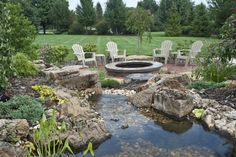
(29, 10)
(150, 5)
(115, 15)
(60, 15)
(16, 35)
(99, 12)
(220, 10)
(163, 12)
(201, 23)
(86, 14)
(43, 12)
(228, 35)
(173, 27)
(139, 22)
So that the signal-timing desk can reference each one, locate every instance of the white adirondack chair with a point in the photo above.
(166, 47)
(114, 52)
(192, 53)
(80, 54)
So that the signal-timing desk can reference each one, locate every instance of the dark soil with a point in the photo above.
(23, 85)
(225, 96)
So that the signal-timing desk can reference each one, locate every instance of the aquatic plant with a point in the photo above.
(198, 113)
(46, 141)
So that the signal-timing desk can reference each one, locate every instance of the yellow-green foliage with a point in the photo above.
(46, 92)
(198, 113)
(23, 66)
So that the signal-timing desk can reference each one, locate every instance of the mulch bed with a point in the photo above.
(225, 96)
(23, 86)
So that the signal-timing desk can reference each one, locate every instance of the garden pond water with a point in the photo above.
(145, 133)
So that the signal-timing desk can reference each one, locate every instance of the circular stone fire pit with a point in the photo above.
(128, 67)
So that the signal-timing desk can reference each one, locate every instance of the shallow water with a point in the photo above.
(154, 135)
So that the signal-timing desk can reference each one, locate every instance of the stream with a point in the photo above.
(149, 134)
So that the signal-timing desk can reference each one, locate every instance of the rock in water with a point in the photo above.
(173, 102)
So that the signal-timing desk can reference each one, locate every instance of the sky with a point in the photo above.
(129, 3)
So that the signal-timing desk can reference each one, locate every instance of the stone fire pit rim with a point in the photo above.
(113, 68)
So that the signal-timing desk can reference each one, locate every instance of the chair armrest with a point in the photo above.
(156, 49)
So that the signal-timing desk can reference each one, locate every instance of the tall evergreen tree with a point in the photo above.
(200, 24)
(86, 13)
(43, 12)
(99, 12)
(163, 12)
(220, 10)
(115, 15)
(173, 27)
(150, 5)
(60, 15)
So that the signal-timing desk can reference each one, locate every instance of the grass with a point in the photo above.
(124, 42)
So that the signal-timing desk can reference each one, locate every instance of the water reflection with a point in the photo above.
(152, 134)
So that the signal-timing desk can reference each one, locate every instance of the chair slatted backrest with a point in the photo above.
(78, 51)
(196, 48)
(166, 47)
(112, 48)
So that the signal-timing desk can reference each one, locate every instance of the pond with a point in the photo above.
(141, 133)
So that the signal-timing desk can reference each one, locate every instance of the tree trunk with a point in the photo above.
(44, 28)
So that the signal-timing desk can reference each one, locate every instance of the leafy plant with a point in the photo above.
(90, 149)
(21, 107)
(55, 55)
(17, 35)
(46, 141)
(23, 66)
(139, 22)
(198, 113)
(205, 85)
(46, 92)
(108, 83)
(89, 48)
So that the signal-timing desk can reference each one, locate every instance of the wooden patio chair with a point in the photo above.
(166, 47)
(191, 53)
(114, 52)
(80, 54)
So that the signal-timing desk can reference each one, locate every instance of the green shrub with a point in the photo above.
(55, 54)
(21, 107)
(23, 66)
(215, 71)
(89, 48)
(102, 28)
(76, 28)
(205, 85)
(110, 83)
(17, 35)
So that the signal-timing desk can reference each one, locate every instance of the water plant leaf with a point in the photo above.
(198, 113)
(90, 149)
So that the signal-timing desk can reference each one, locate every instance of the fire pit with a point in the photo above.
(125, 68)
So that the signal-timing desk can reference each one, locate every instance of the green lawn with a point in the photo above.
(124, 42)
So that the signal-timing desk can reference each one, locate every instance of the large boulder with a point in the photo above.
(8, 150)
(73, 77)
(145, 98)
(85, 124)
(13, 130)
(173, 102)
